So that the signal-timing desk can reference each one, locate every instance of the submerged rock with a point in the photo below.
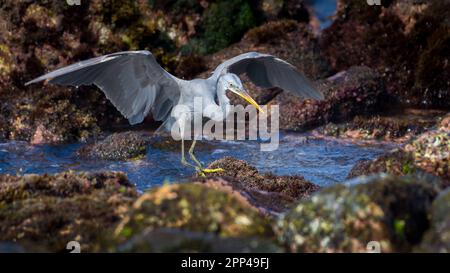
(118, 146)
(386, 209)
(358, 91)
(437, 238)
(165, 240)
(192, 207)
(45, 212)
(268, 192)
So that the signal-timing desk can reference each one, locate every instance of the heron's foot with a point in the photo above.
(217, 170)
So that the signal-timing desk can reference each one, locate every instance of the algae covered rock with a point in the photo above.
(429, 152)
(165, 240)
(268, 192)
(118, 146)
(360, 90)
(437, 238)
(45, 212)
(386, 209)
(404, 40)
(397, 126)
(192, 207)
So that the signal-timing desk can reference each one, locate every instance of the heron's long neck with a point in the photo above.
(223, 100)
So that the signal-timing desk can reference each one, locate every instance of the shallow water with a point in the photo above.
(323, 162)
(324, 10)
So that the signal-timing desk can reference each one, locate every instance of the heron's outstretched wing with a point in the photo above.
(268, 71)
(133, 81)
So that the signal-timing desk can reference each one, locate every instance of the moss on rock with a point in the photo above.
(175, 240)
(45, 212)
(428, 153)
(390, 210)
(437, 238)
(398, 126)
(118, 146)
(192, 207)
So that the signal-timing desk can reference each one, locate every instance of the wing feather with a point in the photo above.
(268, 71)
(133, 81)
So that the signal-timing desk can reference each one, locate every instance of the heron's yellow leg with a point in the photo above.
(186, 163)
(191, 154)
(203, 171)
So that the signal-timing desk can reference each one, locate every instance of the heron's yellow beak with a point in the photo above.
(243, 94)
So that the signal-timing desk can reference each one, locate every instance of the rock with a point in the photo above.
(267, 192)
(431, 153)
(428, 153)
(118, 146)
(287, 9)
(397, 127)
(444, 124)
(395, 162)
(404, 40)
(169, 144)
(386, 209)
(165, 240)
(437, 238)
(45, 212)
(354, 92)
(192, 207)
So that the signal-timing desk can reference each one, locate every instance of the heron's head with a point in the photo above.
(232, 83)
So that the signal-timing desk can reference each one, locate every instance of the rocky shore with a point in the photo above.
(384, 71)
(242, 208)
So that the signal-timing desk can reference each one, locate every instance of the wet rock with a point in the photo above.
(176, 240)
(118, 146)
(386, 209)
(437, 238)
(287, 9)
(428, 153)
(268, 192)
(398, 127)
(431, 153)
(45, 212)
(395, 162)
(167, 143)
(358, 91)
(404, 40)
(192, 207)
(444, 124)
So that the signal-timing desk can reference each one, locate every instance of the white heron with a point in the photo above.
(137, 85)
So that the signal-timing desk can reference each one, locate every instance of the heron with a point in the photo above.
(137, 85)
